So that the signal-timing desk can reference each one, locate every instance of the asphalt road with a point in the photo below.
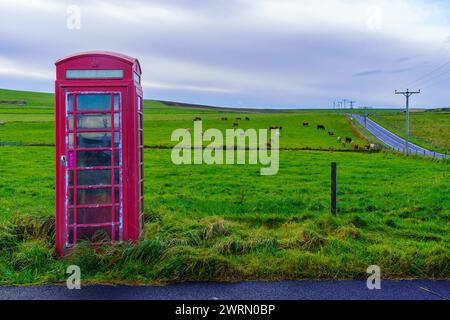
(282, 290)
(393, 140)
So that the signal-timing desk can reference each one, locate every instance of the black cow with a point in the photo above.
(320, 127)
(275, 128)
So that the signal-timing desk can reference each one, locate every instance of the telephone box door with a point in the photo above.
(94, 165)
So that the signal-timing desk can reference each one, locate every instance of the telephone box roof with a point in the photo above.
(115, 55)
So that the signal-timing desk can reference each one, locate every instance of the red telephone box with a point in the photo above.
(99, 149)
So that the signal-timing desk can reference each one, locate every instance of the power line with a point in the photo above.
(415, 82)
(433, 83)
(432, 79)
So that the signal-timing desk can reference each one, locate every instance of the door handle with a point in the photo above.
(63, 161)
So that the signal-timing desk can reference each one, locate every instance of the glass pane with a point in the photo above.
(94, 140)
(116, 120)
(70, 177)
(71, 216)
(116, 195)
(116, 102)
(94, 215)
(94, 196)
(89, 102)
(70, 140)
(139, 103)
(117, 214)
(69, 102)
(116, 158)
(94, 234)
(117, 233)
(116, 176)
(137, 77)
(94, 121)
(70, 235)
(93, 177)
(93, 158)
(70, 121)
(70, 196)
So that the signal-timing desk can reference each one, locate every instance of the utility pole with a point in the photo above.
(345, 103)
(407, 94)
(351, 104)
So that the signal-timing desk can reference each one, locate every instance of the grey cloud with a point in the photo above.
(403, 59)
(400, 70)
(367, 73)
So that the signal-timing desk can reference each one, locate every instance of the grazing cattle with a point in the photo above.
(330, 133)
(305, 124)
(197, 119)
(235, 124)
(367, 147)
(372, 146)
(247, 118)
(275, 128)
(224, 118)
(356, 147)
(320, 127)
(349, 140)
(238, 119)
(339, 139)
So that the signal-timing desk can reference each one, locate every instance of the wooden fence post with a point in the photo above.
(333, 188)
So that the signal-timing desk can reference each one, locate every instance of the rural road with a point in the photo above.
(282, 290)
(393, 140)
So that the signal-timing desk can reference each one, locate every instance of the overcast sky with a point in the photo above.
(249, 53)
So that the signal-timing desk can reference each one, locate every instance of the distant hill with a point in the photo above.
(41, 99)
(224, 109)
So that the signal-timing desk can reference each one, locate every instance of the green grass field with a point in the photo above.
(229, 222)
